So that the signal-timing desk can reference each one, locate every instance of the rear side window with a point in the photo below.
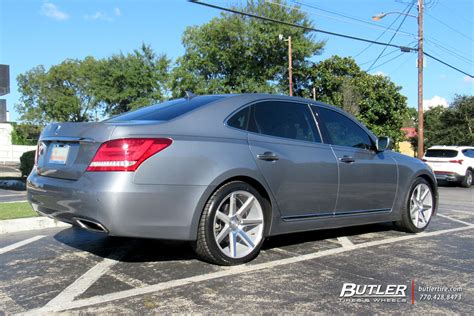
(468, 153)
(240, 119)
(284, 119)
(342, 131)
(165, 111)
(441, 153)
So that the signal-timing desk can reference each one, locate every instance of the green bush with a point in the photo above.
(27, 161)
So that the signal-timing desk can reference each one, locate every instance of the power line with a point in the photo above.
(451, 28)
(359, 21)
(307, 28)
(446, 64)
(378, 37)
(391, 59)
(393, 36)
(453, 53)
(450, 49)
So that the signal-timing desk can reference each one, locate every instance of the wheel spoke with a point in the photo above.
(425, 194)
(232, 201)
(422, 218)
(250, 222)
(418, 193)
(233, 244)
(247, 240)
(223, 233)
(245, 206)
(223, 217)
(417, 218)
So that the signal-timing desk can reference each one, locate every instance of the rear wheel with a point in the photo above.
(419, 207)
(232, 225)
(467, 181)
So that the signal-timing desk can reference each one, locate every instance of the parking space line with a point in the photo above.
(85, 281)
(11, 195)
(455, 220)
(20, 243)
(459, 211)
(129, 280)
(231, 271)
(14, 201)
(345, 242)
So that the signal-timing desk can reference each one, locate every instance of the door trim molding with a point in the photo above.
(335, 214)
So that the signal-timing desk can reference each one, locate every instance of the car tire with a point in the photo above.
(467, 181)
(232, 235)
(418, 209)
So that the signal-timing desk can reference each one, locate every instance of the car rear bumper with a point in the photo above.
(449, 177)
(111, 202)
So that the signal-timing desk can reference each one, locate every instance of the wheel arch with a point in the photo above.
(246, 177)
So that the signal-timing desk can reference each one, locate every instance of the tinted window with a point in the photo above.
(468, 153)
(240, 119)
(441, 153)
(284, 119)
(342, 131)
(165, 111)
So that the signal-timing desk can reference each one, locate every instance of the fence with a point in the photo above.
(12, 153)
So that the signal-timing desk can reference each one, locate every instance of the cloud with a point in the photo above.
(51, 11)
(434, 101)
(380, 73)
(117, 12)
(468, 79)
(98, 16)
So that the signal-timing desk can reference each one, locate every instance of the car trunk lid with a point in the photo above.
(65, 150)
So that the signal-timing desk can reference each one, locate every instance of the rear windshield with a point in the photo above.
(441, 153)
(166, 111)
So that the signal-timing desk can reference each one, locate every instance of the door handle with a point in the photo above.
(267, 156)
(347, 159)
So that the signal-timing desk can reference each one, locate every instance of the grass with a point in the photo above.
(16, 210)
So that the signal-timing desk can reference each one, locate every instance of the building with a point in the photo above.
(405, 147)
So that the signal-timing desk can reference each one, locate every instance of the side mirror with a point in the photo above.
(384, 143)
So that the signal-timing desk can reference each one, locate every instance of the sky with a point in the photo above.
(46, 32)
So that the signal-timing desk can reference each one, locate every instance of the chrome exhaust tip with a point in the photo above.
(90, 225)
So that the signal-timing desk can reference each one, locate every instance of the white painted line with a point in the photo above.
(345, 242)
(284, 251)
(10, 195)
(14, 201)
(129, 280)
(20, 243)
(455, 220)
(86, 280)
(459, 211)
(226, 272)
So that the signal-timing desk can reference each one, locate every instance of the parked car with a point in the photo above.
(227, 171)
(451, 163)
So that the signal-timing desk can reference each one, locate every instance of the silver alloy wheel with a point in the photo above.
(238, 224)
(421, 205)
(469, 178)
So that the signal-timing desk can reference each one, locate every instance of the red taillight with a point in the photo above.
(126, 154)
(457, 161)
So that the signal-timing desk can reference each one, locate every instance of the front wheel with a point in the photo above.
(232, 225)
(419, 207)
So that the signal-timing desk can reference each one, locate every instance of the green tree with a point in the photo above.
(373, 99)
(25, 134)
(63, 93)
(126, 82)
(450, 126)
(234, 54)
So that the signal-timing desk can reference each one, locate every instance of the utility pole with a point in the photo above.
(290, 68)
(290, 62)
(420, 81)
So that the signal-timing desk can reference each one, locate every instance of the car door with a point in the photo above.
(287, 148)
(367, 179)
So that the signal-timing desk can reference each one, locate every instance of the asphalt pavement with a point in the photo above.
(71, 270)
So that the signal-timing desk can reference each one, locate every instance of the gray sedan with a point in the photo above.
(226, 171)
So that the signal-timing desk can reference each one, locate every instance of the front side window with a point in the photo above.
(341, 130)
(284, 119)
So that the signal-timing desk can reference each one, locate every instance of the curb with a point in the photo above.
(30, 223)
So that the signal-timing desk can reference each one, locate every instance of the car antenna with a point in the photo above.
(189, 95)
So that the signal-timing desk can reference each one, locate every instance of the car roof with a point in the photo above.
(451, 147)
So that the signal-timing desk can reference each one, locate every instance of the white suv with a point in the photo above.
(451, 163)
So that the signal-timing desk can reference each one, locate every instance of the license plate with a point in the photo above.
(59, 154)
